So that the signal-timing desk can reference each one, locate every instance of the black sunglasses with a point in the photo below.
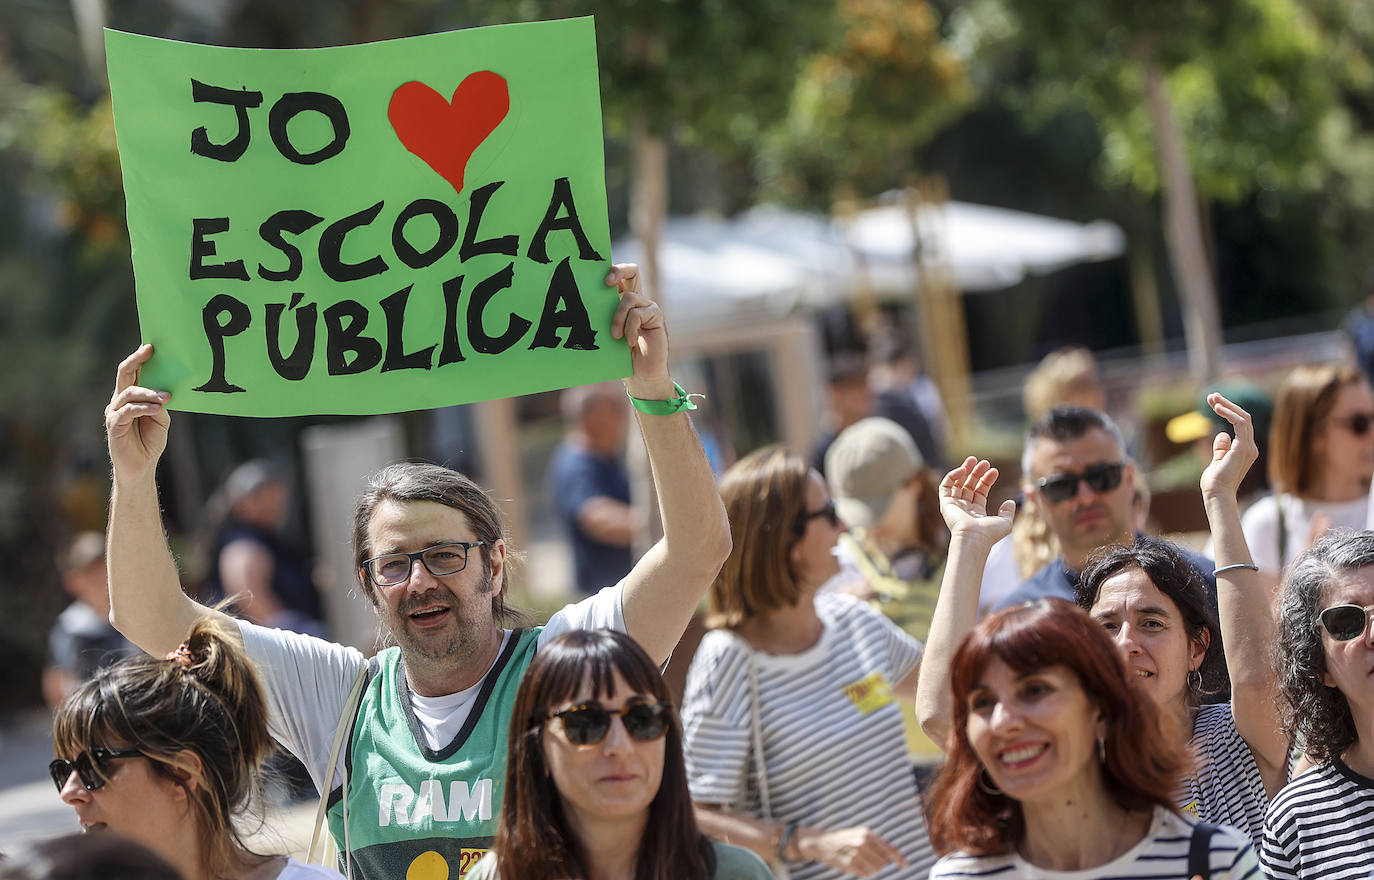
(92, 767)
(1358, 424)
(1345, 622)
(828, 511)
(589, 723)
(1100, 478)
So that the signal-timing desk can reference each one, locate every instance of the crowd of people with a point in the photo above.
(1109, 704)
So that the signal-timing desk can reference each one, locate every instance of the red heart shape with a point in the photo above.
(445, 133)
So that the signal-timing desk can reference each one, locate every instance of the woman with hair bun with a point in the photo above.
(167, 753)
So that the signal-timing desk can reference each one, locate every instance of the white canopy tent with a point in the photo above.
(768, 262)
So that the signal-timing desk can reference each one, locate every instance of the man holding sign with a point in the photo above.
(427, 742)
(327, 231)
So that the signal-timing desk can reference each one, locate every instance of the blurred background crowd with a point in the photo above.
(951, 213)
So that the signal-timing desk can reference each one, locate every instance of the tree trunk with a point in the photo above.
(90, 30)
(648, 210)
(1183, 232)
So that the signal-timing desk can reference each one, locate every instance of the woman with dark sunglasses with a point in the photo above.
(595, 786)
(168, 753)
(1321, 461)
(1156, 608)
(1320, 825)
(793, 694)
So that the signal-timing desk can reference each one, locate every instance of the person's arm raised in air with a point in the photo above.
(1243, 599)
(146, 601)
(972, 531)
(665, 586)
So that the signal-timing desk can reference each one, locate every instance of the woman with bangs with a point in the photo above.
(595, 785)
(1058, 766)
(1155, 606)
(168, 753)
(796, 747)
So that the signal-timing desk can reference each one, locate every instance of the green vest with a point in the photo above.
(418, 813)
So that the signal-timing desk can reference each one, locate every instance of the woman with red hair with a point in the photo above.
(1057, 762)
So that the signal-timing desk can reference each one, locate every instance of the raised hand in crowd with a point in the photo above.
(973, 531)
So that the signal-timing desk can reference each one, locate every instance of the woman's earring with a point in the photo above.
(1195, 681)
(985, 783)
(1102, 750)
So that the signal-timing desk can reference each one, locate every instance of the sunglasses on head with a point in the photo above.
(828, 511)
(589, 723)
(1358, 423)
(1345, 622)
(91, 767)
(1100, 478)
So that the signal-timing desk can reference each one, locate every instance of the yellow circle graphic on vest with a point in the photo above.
(428, 866)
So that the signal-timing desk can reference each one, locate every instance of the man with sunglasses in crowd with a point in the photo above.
(416, 789)
(1084, 488)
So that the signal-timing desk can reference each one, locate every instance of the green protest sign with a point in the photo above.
(367, 229)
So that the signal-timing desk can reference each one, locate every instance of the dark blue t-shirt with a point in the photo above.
(575, 477)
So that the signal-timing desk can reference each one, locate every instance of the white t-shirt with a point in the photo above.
(1261, 526)
(834, 744)
(295, 870)
(1001, 576)
(307, 680)
(1321, 826)
(1162, 852)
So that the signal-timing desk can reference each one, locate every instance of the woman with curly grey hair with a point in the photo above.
(1318, 826)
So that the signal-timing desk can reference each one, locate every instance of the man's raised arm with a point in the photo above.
(146, 601)
(664, 588)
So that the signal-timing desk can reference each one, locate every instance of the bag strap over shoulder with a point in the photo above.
(1200, 850)
(350, 708)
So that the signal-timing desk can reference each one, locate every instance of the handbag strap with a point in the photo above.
(345, 721)
(1199, 850)
(756, 729)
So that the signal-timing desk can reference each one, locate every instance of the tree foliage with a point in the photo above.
(713, 74)
(883, 84)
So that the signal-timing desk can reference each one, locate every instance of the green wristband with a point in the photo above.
(682, 402)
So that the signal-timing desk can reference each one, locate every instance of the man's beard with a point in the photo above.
(461, 642)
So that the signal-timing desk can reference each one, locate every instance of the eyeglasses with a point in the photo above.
(828, 511)
(439, 560)
(92, 767)
(1100, 478)
(589, 723)
(1345, 622)
(1357, 423)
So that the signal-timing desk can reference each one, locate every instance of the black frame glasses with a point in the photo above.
(1345, 622)
(1356, 423)
(434, 559)
(588, 724)
(1100, 478)
(828, 511)
(92, 767)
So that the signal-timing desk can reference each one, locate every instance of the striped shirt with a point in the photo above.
(1227, 788)
(1162, 853)
(1321, 825)
(833, 738)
